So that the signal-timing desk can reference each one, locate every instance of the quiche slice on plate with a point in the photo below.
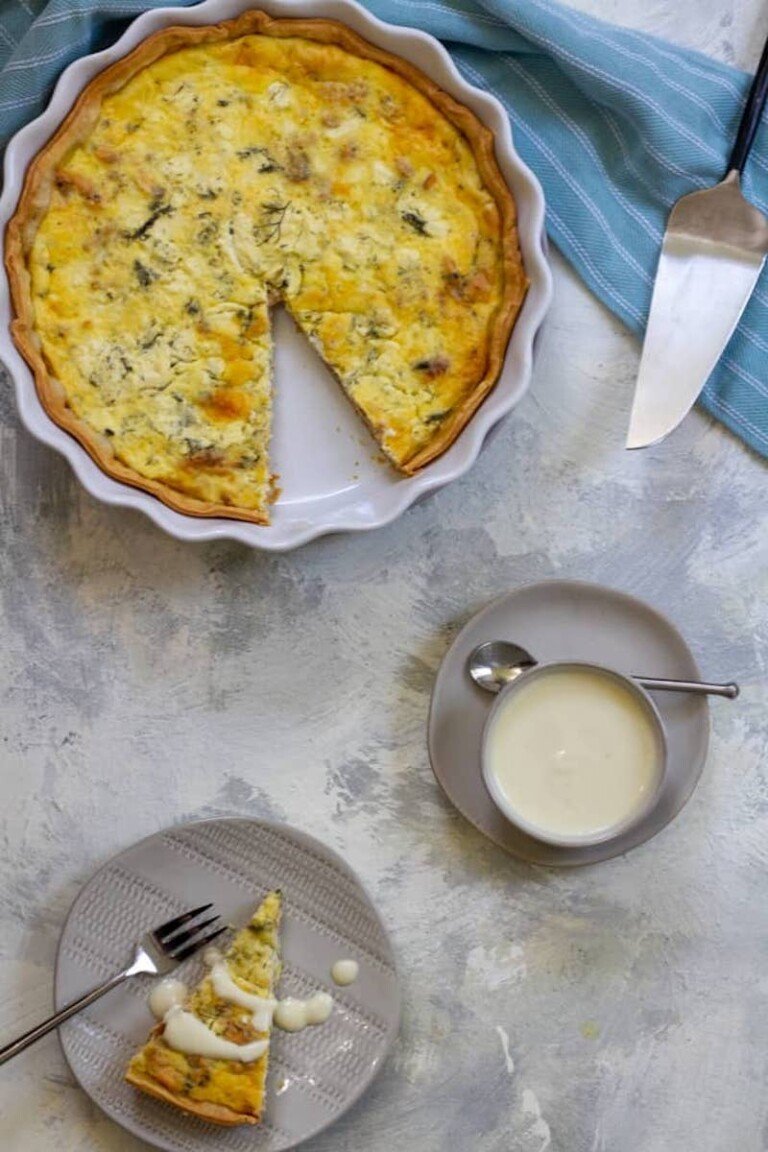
(224, 1091)
(217, 171)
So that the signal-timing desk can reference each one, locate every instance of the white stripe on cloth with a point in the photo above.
(481, 17)
(621, 85)
(576, 20)
(20, 102)
(616, 46)
(6, 37)
(590, 149)
(746, 377)
(568, 179)
(651, 44)
(47, 21)
(620, 303)
(45, 58)
(753, 338)
(679, 61)
(662, 161)
(755, 157)
(738, 418)
(739, 371)
(760, 295)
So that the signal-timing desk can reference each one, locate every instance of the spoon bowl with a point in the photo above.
(497, 663)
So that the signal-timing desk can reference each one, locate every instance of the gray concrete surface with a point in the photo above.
(143, 682)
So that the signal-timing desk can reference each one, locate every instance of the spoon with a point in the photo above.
(497, 663)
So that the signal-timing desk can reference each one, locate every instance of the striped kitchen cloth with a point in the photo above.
(616, 124)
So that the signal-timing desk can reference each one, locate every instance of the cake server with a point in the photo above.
(713, 252)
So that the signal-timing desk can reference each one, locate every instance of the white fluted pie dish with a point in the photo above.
(332, 477)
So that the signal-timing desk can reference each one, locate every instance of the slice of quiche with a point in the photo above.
(224, 1091)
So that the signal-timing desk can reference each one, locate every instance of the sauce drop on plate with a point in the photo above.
(345, 972)
(573, 753)
(295, 1015)
(167, 994)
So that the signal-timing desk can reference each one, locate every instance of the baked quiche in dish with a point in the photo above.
(218, 171)
(224, 1091)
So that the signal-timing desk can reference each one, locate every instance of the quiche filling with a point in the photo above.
(225, 1091)
(243, 171)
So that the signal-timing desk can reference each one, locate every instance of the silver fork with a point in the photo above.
(157, 953)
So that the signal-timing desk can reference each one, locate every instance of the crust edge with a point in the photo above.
(34, 199)
(214, 1113)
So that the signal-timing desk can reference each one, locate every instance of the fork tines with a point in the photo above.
(180, 944)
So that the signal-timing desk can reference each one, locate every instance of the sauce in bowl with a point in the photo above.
(573, 754)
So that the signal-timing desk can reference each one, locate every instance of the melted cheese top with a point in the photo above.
(228, 176)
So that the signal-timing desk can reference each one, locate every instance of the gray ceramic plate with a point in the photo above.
(314, 1075)
(566, 620)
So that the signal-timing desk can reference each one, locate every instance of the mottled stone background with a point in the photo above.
(619, 1008)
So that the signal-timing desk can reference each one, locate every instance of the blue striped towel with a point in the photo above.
(616, 124)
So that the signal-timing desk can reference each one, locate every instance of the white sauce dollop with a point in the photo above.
(345, 972)
(295, 1015)
(185, 1033)
(262, 1008)
(165, 995)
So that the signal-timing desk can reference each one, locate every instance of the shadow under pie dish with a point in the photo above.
(218, 170)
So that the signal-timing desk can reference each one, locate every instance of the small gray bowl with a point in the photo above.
(606, 834)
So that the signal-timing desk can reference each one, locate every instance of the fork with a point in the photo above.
(157, 953)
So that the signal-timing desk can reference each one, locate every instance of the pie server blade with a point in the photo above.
(713, 252)
(714, 249)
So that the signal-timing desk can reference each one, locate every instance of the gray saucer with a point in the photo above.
(314, 1076)
(566, 620)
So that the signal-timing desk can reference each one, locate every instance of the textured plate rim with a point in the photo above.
(389, 503)
(591, 586)
(291, 830)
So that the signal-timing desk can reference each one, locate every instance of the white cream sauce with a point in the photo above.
(185, 1033)
(295, 1015)
(345, 972)
(165, 995)
(574, 753)
(261, 1008)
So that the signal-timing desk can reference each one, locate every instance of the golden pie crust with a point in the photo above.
(76, 128)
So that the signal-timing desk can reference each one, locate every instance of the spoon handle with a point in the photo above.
(730, 691)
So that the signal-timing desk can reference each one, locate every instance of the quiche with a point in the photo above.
(218, 171)
(222, 1091)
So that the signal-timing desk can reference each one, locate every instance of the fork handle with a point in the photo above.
(18, 1045)
(750, 119)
